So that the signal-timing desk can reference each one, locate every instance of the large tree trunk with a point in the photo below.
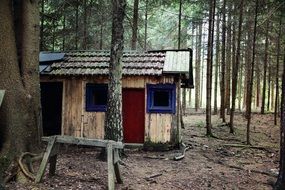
(135, 25)
(236, 68)
(20, 124)
(113, 119)
(210, 67)
(223, 65)
(280, 183)
(265, 68)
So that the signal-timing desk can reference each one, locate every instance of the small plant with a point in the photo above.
(200, 124)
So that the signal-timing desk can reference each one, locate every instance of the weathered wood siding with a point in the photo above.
(72, 107)
(76, 121)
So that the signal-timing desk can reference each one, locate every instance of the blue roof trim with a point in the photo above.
(50, 57)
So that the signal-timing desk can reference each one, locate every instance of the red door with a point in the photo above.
(133, 115)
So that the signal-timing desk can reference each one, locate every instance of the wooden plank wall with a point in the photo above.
(72, 107)
(76, 121)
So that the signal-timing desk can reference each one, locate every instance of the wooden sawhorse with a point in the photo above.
(51, 152)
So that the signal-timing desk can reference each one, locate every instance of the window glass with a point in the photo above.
(96, 97)
(161, 98)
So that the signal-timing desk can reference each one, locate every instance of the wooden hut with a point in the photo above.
(74, 93)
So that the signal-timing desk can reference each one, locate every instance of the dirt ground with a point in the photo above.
(210, 163)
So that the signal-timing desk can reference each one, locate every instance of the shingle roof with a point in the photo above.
(134, 63)
(97, 63)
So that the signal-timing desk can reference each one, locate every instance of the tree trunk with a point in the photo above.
(42, 25)
(280, 183)
(210, 67)
(101, 36)
(179, 24)
(240, 85)
(135, 25)
(228, 59)
(53, 34)
(269, 88)
(257, 74)
(223, 65)
(113, 119)
(145, 25)
(217, 65)
(236, 68)
(85, 27)
(198, 66)
(277, 73)
(250, 81)
(272, 95)
(19, 58)
(63, 28)
(265, 68)
(76, 24)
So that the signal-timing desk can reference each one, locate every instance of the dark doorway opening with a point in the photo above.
(51, 99)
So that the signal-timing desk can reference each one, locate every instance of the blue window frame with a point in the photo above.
(161, 98)
(96, 97)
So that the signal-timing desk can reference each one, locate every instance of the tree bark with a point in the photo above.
(76, 24)
(277, 73)
(236, 68)
(19, 52)
(223, 65)
(269, 89)
(113, 119)
(257, 76)
(85, 27)
(217, 65)
(179, 24)
(228, 59)
(145, 25)
(42, 25)
(198, 66)
(280, 183)
(63, 28)
(210, 67)
(240, 85)
(265, 68)
(250, 81)
(135, 25)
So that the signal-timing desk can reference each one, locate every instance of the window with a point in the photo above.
(96, 97)
(161, 98)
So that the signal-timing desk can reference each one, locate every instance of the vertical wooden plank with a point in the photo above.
(117, 167)
(63, 107)
(83, 86)
(111, 180)
(178, 110)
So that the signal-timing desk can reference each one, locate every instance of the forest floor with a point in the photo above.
(210, 163)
